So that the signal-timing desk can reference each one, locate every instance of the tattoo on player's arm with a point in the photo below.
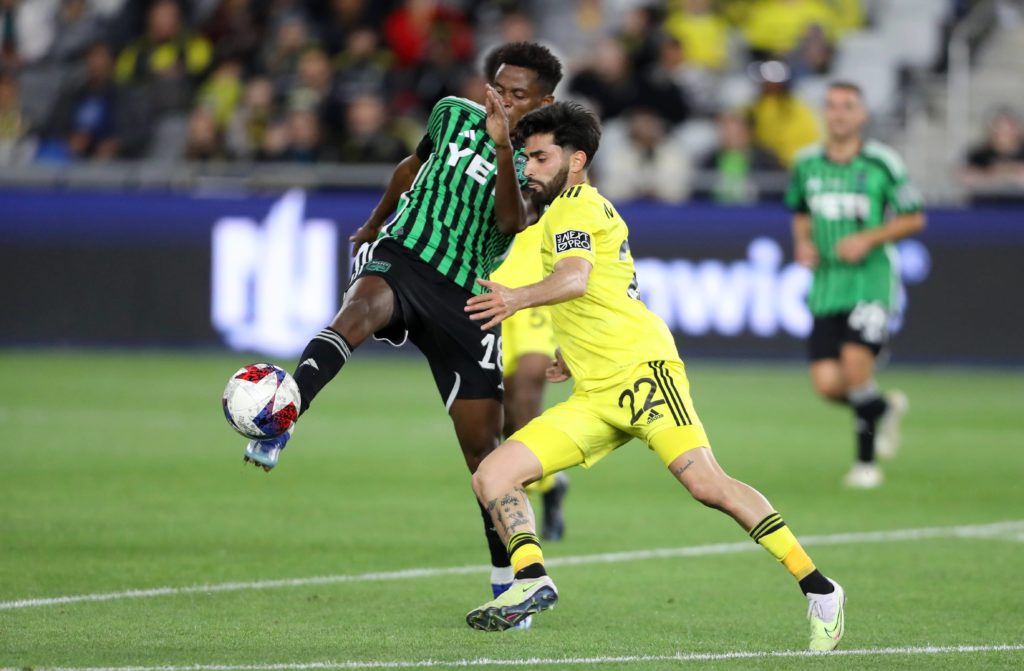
(682, 469)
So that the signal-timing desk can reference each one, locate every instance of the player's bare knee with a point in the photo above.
(712, 491)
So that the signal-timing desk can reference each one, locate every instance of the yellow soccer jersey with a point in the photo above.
(608, 330)
(522, 265)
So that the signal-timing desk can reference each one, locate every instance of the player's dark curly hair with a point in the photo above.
(572, 125)
(529, 55)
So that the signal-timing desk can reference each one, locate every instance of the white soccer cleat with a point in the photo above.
(863, 476)
(887, 436)
(827, 619)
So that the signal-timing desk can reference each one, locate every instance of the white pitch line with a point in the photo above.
(551, 661)
(1010, 530)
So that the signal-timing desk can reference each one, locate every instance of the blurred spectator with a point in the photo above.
(440, 73)
(849, 15)
(344, 18)
(735, 158)
(297, 139)
(777, 28)
(699, 85)
(640, 35)
(576, 27)
(10, 54)
(607, 82)
(646, 165)
(281, 57)
(999, 161)
(247, 131)
(205, 141)
(661, 88)
(76, 26)
(362, 68)
(420, 27)
(168, 60)
(84, 121)
(235, 32)
(704, 35)
(16, 141)
(782, 122)
(221, 92)
(368, 139)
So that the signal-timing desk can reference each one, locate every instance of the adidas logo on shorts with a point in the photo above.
(654, 416)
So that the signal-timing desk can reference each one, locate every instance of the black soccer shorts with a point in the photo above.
(867, 324)
(430, 311)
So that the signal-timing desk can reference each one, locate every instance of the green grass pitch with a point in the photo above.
(119, 473)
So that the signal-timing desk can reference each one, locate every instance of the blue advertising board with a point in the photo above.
(264, 272)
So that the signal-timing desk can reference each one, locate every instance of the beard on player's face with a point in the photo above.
(544, 192)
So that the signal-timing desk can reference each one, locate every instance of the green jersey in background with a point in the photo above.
(843, 199)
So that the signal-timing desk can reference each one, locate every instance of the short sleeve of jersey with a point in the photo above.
(796, 199)
(902, 196)
(424, 148)
(573, 227)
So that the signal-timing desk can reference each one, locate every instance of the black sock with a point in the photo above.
(323, 357)
(816, 583)
(499, 554)
(530, 572)
(868, 405)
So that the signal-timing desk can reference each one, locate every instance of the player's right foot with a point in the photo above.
(825, 614)
(521, 600)
(265, 453)
(553, 528)
(887, 436)
(863, 476)
(497, 589)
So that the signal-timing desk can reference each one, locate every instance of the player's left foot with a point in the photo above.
(887, 436)
(553, 528)
(863, 476)
(825, 614)
(265, 453)
(521, 600)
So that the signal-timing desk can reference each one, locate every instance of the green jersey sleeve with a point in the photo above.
(796, 197)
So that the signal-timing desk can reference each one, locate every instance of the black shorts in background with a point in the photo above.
(867, 324)
(430, 311)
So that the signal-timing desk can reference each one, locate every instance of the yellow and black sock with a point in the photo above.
(773, 535)
(526, 555)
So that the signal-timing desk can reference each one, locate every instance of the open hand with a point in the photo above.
(497, 119)
(494, 307)
(557, 371)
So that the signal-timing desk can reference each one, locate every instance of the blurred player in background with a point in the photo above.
(629, 382)
(457, 206)
(851, 201)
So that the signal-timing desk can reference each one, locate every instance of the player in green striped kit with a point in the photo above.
(457, 207)
(851, 200)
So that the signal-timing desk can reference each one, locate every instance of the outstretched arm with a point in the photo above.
(568, 281)
(401, 181)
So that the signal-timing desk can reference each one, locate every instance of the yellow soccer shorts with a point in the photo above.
(528, 331)
(652, 402)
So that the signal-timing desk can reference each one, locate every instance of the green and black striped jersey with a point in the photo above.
(843, 199)
(447, 216)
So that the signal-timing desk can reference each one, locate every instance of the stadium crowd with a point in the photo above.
(353, 80)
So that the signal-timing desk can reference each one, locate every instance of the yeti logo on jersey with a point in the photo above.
(377, 266)
(572, 240)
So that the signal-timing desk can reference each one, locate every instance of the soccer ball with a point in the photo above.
(261, 401)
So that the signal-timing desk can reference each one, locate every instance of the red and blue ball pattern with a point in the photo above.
(261, 401)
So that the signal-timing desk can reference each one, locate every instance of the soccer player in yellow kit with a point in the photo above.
(528, 347)
(629, 382)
